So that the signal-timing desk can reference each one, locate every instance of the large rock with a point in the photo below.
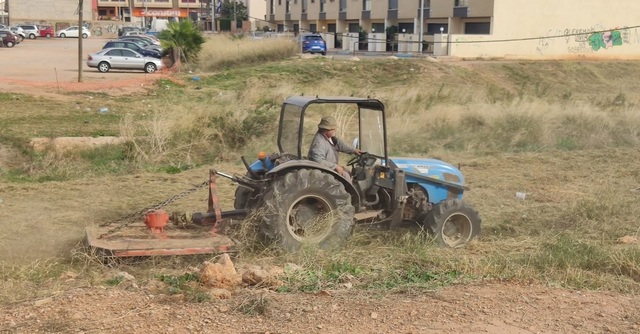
(266, 277)
(221, 275)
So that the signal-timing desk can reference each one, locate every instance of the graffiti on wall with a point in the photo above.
(106, 29)
(605, 40)
(586, 40)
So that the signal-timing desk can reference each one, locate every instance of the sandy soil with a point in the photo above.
(490, 308)
(51, 218)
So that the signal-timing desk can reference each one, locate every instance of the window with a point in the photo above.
(461, 3)
(427, 3)
(114, 53)
(304, 6)
(273, 6)
(288, 7)
(128, 53)
(366, 4)
(323, 6)
(393, 4)
(343, 5)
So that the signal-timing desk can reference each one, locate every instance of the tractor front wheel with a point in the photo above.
(307, 208)
(454, 223)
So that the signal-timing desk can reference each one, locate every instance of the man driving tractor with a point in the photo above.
(325, 147)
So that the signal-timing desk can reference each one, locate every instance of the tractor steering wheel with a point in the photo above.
(362, 159)
(357, 159)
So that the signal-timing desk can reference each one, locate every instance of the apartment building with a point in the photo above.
(469, 28)
(111, 13)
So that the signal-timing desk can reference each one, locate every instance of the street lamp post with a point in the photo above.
(421, 26)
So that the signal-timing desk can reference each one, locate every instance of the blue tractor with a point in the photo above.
(300, 202)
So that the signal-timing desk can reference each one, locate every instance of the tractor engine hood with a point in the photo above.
(432, 168)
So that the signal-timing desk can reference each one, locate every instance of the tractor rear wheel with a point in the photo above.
(307, 208)
(454, 223)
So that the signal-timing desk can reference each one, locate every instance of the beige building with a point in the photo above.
(468, 28)
(105, 16)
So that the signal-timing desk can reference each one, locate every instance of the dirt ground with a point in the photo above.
(490, 308)
(45, 65)
(52, 217)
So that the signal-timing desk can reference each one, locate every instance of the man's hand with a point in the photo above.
(339, 169)
(357, 151)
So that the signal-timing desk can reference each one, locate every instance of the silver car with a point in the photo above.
(20, 34)
(122, 59)
(30, 30)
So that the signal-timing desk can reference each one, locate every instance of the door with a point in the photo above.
(132, 60)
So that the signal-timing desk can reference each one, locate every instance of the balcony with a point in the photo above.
(426, 12)
(392, 14)
(342, 16)
(272, 18)
(121, 3)
(366, 15)
(303, 17)
(287, 17)
(323, 16)
(460, 11)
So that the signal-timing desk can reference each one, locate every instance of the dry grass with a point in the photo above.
(223, 50)
(511, 127)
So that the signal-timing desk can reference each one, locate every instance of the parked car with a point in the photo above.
(314, 43)
(122, 59)
(46, 31)
(73, 31)
(20, 34)
(30, 30)
(123, 30)
(133, 46)
(8, 38)
(152, 39)
(145, 43)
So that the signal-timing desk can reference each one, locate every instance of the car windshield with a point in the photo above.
(313, 38)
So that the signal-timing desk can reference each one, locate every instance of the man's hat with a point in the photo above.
(328, 123)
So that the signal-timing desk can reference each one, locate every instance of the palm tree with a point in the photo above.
(183, 40)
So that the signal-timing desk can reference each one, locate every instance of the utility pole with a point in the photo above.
(80, 32)
(144, 18)
(421, 26)
(235, 22)
(213, 15)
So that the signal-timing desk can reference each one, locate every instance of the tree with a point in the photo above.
(183, 40)
(241, 12)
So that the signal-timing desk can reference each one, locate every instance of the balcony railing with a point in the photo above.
(460, 11)
(342, 16)
(323, 16)
(366, 15)
(426, 12)
(287, 17)
(392, 14)
(303, 17)
(272, 18)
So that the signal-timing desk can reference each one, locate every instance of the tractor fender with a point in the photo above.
(283, 168)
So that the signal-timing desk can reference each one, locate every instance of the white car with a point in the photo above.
(73, 32)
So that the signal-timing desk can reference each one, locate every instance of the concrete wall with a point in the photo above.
(37, 11)
(567, 29)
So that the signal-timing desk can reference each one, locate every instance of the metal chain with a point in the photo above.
(128, 219)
